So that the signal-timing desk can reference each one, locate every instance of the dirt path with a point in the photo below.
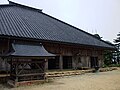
(92, 81)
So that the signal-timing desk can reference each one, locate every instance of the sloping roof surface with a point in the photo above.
(19, 21)
(29, 50)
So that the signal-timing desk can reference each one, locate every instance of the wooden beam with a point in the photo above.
(22, 62)
(32, 74)
(22, 69)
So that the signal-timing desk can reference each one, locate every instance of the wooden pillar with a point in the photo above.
(101, 60)
(88, 61)
(0, 63)
(73, 63)
(16, 72)
(11, 66)
(46, 64)
(83, 61)
(61, 62)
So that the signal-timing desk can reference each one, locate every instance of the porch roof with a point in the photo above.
(25, 50)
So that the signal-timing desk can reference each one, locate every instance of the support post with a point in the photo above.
(7, 71)
(16, 72)
(11, 66)
(73, 63)
(61, 62)
(46, 64)
(88, 60)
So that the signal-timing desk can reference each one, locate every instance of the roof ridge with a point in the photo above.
(28, 7)
(5, 5)
(77, 28)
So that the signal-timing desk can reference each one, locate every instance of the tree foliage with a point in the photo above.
(111, 57)
(108, 56)
(117, 44)
(117, 40)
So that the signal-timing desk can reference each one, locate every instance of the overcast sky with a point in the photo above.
(93, 16)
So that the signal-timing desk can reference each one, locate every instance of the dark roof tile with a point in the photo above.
(22, 22)
(29, 50)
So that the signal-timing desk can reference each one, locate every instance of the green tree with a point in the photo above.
(117, 44)
(108, 56)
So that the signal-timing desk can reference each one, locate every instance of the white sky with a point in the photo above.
(93, 16)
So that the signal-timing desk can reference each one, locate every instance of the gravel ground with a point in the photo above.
(91, 81)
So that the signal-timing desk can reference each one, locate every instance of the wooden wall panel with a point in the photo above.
(3, 46)
(65, 50)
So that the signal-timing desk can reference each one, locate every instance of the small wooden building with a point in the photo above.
(32, 42)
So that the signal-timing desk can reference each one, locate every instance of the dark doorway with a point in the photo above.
(67, 62)
(53, 63)
(94, 62)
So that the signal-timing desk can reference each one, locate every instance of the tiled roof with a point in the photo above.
(29, 50)
(24, 22)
